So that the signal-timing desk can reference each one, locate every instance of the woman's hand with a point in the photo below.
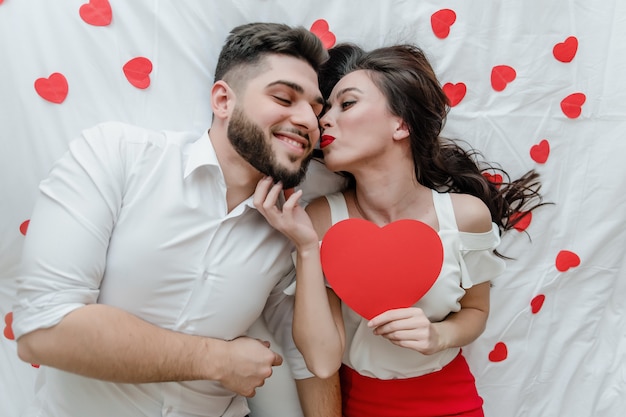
(409, 328)
(292, 220)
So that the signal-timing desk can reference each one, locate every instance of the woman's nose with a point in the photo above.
(325, 121)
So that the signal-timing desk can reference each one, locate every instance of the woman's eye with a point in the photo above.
(346, 104)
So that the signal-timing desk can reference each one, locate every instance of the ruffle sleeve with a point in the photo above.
(478, 262)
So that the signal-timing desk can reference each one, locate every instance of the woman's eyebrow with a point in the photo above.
(347, 90)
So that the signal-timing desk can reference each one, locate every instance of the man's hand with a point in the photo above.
(249, 364)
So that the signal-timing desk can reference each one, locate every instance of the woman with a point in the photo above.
(381, 127)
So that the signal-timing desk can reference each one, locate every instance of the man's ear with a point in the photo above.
(401, 131)
(222, 99)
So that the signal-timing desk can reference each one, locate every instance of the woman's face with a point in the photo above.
(357, 125)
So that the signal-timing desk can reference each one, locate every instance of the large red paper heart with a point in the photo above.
(374, 269)
(501, 75)
(441, 21)
(96, 12)
(539, 153)
(137, 72)
(54, 88)
(566, 50)
(321, 29)
(572, 105)
(454, 92)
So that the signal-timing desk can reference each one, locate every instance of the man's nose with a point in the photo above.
(305, 117)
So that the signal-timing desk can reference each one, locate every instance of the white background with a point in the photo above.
(566, 358)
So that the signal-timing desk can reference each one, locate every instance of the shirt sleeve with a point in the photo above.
(478, 262)
(278, 315)
(64, 254)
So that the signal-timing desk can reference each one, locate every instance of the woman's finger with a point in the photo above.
(260, 193)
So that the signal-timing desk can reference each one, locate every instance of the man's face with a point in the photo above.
(274, 124)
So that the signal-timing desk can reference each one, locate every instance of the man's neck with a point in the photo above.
(240, 177)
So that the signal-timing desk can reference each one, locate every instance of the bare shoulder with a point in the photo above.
(471, 213)
(319, 212)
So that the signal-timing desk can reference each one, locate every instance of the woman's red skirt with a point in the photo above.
(448, 392)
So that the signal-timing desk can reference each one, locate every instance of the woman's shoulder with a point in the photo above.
(471, 213)
(319, 212)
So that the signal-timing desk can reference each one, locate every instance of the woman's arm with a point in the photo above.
(318, 325)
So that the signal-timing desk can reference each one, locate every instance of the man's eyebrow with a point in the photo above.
(296, 87)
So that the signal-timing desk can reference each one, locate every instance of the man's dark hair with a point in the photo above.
(248, 44)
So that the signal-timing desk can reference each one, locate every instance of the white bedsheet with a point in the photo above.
(555, 345)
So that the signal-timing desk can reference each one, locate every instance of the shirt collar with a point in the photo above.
(200, 153)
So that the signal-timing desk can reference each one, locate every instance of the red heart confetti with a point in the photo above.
(572, 105)
(566, 260)
(499, 352)
(137, 72)
(441, 21)
(24, 227)
(34, 365)
(540, 152)
(321, 29)
(8, 328)
(501, 76)
(374, 269)
(54, 88)
(566, 51)
(96, 12)
(537, 303)
(525, 217)
(495, 179)
(454, 92)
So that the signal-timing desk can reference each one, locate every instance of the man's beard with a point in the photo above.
(250, 142)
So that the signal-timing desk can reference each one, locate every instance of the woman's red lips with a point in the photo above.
(326, 140)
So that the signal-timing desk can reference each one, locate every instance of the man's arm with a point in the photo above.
(320, 397)
(104, 342)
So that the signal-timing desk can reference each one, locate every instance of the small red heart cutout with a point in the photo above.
(321, 29)
(566, 51)
(137, 72)
(54, 88)
(501, 76)
(374, 269)
(441, 21)
(454, 92)
(540, 152)
(537, 303)
(566, 260)
(495, 179)
(525, 217)
(572, 105)
(499, 353)
(24, 227)
(96, 12)
(8, 329)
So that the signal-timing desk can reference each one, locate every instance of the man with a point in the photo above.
(146, 262)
